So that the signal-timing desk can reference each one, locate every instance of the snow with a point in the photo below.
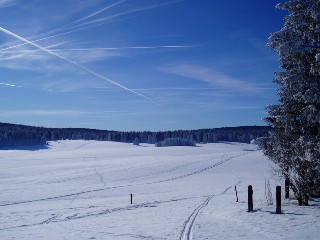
(81, 190)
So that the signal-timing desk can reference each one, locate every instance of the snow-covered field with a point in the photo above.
(81, 190)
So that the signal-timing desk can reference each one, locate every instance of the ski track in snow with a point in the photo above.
(75, 195)
(60, 218)
(180, 193)
(186, 233)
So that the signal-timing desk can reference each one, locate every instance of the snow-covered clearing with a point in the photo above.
(81, 190)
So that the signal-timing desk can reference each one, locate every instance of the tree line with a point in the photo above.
(12, 135)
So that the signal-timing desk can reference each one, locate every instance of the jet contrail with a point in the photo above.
(128, 12)
(38, 40)
(76, 64)
(69, 25)
(59, 34)
(122, 48)
(97, 12)
(28, 52)
(97, 21)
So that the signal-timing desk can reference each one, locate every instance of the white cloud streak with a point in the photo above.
(77, 28)
(12, 55)
(6, 3)
(209, 76)
(60, 34)
(93, 54)
(9, 85)
(100, 20)
(100, 11)
(38, 112)
(94, 23)
(70, 113)
(122, 48)
(76, 64)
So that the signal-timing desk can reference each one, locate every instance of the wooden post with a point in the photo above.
(235, 188)
(250, 200)
(278, 199)
(286, 189)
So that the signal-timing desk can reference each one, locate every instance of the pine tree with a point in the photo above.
(136, 142)
(295, 145)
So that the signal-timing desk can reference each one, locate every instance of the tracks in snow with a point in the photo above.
(200, 170)
(61, 217)
(186, 233)
(75, 195)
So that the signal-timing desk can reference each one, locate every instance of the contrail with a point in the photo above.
(38, 40)
(60, 34)
(128, 12)
(98, 22)
(76, 64)
(97, 12)
(69, 25)
(122, 48)
(28, 52)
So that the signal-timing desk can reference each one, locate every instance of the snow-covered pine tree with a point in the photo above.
(136, 142)
(295, 145)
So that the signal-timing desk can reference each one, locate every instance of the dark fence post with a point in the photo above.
(278, 197)
(286, 183)
(235, 188)
(131, 198)
(250, 200)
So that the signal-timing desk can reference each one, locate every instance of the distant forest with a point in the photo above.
(12, 135)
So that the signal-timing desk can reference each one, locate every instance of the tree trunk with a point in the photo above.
(287, 183)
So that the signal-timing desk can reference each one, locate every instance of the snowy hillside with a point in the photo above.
(81, 190)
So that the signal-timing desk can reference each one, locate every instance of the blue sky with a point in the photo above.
(137, 64)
